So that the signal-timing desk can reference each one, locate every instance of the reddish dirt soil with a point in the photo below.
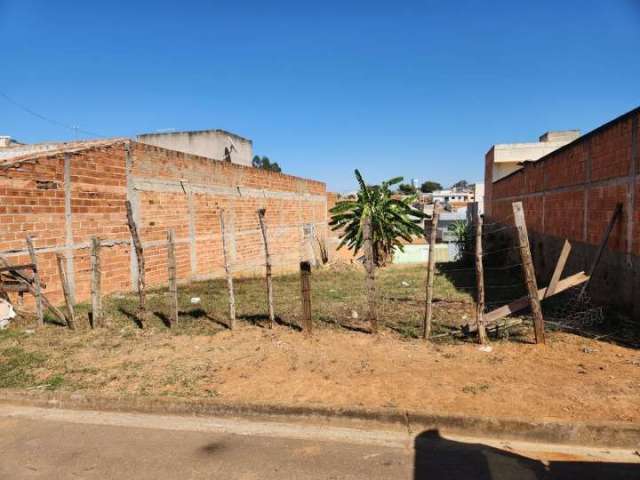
(571, 378)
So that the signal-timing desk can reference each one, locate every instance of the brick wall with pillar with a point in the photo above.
(66, 196)
(571, 193)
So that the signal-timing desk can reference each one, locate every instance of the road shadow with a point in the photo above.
(437, 457)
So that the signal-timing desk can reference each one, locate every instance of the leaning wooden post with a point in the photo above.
(227, 269)
(430, 233)
(96, 285)
(370, 267)
(603, 243)
(71, 318)
(482, 332)
(305, 289)
(137, 244)
(529, 271)
(173, 280)
(263, 229)
(36, 280)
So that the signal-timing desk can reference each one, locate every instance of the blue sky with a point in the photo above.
(419, 89)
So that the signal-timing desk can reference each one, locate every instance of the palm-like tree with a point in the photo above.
(392, 220)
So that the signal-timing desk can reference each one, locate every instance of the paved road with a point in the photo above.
(61, 444)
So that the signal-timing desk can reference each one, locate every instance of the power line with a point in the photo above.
(47, 119)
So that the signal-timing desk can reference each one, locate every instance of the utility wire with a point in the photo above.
(47, 119)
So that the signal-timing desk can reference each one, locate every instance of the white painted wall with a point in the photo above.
(205, 143)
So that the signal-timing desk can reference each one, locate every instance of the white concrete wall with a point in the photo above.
(506, 157)
(205, 143)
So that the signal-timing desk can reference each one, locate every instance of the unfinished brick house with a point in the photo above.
(67, 193)
(572, 193)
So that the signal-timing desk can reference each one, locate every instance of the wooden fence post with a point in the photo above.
(137, 244)
(370, 267)
(482, 332)
(603, 243)
(36, 280)
(305, 288)
(263, 229)
(431, 271)
(71, 318)
(227, 269)
(96, 285)
(173, 280)
(529, 271)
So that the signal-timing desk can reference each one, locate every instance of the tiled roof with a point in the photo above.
(23, 153)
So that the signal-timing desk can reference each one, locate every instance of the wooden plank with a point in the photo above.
(228, 272)
(97, 315)
(430, 236)
(267, 257)
(64, 280)
(523, 302)
(15, 287)
(529, 271)
(37, 288)
(305, 291)
(603, 244)
(482, 332)
(137, 244)
(173, 279)
(370, 267)
(27, 283)
(11, 268)
(557, 272)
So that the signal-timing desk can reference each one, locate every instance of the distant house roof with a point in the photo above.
(142, 136)
(23, 153)
(459, 214)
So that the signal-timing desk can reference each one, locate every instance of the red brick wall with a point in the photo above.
(582, 180)
(572, 192)
(168, 190)
(333, 237)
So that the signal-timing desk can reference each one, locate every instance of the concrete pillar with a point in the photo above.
(68, 229)
(132, 196)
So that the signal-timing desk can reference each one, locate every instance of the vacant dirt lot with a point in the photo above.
(571, 378)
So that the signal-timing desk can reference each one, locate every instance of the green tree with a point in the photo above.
(461, 185)
(430, 186)
(392, 220)
(464, 238)
(265, 164)
(406, 188)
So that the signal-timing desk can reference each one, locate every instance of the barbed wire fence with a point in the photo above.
(504, 280)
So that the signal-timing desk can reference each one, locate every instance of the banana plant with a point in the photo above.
(393, 220)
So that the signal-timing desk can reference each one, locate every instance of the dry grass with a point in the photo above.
(341, 365)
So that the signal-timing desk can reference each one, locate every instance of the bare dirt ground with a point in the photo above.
(571, 378)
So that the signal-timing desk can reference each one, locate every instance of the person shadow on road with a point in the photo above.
(437, 457)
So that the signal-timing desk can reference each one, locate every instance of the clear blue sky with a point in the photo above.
(420, 89)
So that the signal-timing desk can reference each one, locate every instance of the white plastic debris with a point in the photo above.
(405, 284)
(485, 348)
(7, 313)
(195, 300)
(354, 314)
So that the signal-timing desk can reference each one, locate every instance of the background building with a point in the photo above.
(217, 144)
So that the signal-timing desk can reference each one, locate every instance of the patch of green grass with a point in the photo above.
(475, 389)
(53, 382)
(11, 334)
(338, 298)
(16, 365)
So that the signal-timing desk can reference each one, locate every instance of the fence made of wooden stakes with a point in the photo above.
(515, 255)
(486, 319)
